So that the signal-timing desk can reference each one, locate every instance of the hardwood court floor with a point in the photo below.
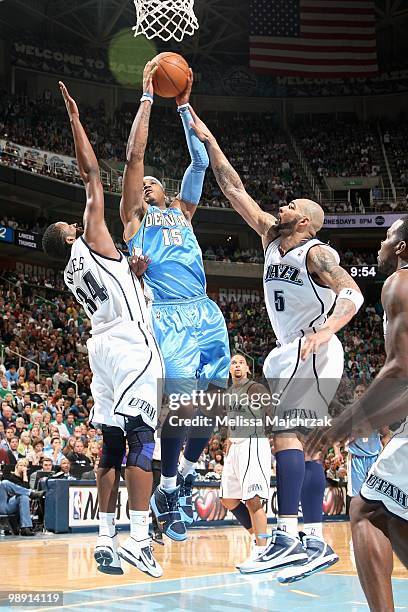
(199, 566)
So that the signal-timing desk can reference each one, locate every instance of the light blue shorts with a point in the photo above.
(193, 340)
(359, 466)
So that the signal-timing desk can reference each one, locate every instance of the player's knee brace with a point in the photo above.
(114, 447)
(141, 445)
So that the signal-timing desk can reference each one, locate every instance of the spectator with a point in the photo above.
(44, 466)
(24, 446)
(13, 452)
(78, 458)
(65, 472)
(55, 452)
(91, 475)
(62, 428)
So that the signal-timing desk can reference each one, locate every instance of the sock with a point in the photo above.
(197, 438)
(107, 524)
(168, 483)
(172, 439)
(290, 472)
(186, 467)
(139, 524)
(242, 515)
(313, 488)
(288, 524)
(315, 529)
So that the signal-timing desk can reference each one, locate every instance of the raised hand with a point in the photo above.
(148, 73)
(184, 97)
(70, 103)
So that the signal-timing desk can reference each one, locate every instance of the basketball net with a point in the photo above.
(165, 19)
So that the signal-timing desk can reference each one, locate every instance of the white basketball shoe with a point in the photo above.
(139, 554)
(106, 555)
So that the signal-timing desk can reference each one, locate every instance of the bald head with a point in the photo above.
(312, 211)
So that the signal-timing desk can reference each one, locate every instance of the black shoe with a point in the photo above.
(185, 499)
(26, 531)
(37, 494)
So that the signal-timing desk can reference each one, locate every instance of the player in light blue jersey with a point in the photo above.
(189, 327)
(362, 454)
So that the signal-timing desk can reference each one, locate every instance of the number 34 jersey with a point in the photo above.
(295, 302)
(176, 269)
(106, 287)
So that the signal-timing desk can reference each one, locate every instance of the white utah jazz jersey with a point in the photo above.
(245, 414)
(107, 289)
(294, 301)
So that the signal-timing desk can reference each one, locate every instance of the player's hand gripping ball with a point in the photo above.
(139, 264)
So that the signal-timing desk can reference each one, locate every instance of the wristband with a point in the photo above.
(183, 108)
(147, 97)
(352, 295)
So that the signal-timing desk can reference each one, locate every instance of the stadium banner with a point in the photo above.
(367, 220)
(28, 239)
(6, 234)
(39, 156)
(208, 509)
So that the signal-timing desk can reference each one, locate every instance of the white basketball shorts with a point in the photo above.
(247, 470)
(302, 390)
(127, 375)
(387, 481)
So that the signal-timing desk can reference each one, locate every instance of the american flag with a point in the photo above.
(313, 38)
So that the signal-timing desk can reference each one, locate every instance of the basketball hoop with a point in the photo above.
(165, 19)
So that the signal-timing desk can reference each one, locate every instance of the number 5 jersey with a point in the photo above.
(295, 301)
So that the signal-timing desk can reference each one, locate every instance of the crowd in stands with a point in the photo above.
(395, 141)
(256, 147)
(339, 147)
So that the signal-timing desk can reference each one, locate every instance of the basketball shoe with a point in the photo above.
(320, 556)
(248, 563)
(106, 555)
(185, 499)
(139, 554)
(283, 550)
(165, 506)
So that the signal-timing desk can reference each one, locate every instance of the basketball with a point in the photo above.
(170, 78)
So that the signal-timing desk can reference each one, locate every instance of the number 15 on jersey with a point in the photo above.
(172, 237)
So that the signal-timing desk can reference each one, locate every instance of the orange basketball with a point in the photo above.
(171, 76)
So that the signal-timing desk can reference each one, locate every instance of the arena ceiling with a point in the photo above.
(222, 36)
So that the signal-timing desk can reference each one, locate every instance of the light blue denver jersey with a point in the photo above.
(366, 447)
(176, 269)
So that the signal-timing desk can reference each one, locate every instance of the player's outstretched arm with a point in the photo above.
(386, 399)
(232, 186)
(323, 264)
(96, 233)
(132, 204)
(193, 179)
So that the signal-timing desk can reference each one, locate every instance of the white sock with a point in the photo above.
(107, 524)
(139, 524)
(288, 524)
(315, 529)
(168, 483)
(186, 467)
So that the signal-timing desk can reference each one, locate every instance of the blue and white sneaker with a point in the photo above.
(320, 557)
(166, 509)
(283, 550)
(140, 554)
(106, 555)
(185, 499)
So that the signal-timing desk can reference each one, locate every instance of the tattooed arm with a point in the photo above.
(323, 266)
(232, 187)
(132, 204)
(386, 399)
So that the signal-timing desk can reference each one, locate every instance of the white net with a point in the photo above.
(165, 19)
